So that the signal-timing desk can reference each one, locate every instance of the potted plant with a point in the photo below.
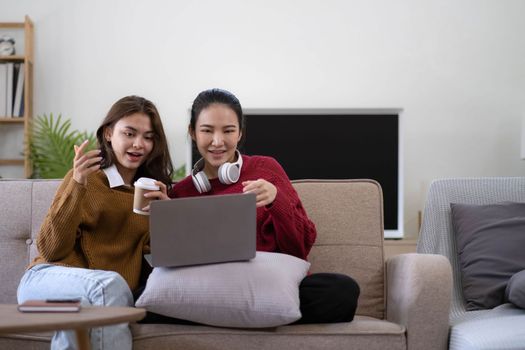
(51, 146)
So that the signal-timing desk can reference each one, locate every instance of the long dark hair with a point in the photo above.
(208, 97)
(158, 164)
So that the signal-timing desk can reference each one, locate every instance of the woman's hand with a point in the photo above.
(161, 194)
(264, 190)
(85, 163)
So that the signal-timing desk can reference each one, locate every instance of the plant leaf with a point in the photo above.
(51, 146)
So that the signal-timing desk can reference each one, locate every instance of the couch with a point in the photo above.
(404, 302)
(501, 327)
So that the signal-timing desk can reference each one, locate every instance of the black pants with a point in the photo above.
(328, 298)
(325, 298)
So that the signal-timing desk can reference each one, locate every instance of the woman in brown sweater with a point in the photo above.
(91, 242)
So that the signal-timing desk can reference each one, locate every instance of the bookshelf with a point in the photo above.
(19, 124)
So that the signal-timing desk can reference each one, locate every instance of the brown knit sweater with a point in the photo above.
(94, 227)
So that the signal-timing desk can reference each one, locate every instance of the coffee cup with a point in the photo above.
(142, 186)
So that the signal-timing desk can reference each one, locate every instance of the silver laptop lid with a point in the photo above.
(203, 230)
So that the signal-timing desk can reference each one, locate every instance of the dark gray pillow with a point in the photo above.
(490, 242)
(515, 291)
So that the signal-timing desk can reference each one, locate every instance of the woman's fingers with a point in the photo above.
(263, 199)
(79, 150)
(81, 171)
(94, 154)
(163, 187)
(162, 194)
(93, 162)
(265, 191)
(85, 163)
(250, 186)
(157, 195)
(81, 157)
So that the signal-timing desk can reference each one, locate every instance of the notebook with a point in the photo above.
(50, 305)
(202, 230)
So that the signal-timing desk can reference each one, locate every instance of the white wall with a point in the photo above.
(457, 68)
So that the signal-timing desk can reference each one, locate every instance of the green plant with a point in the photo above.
(179, 173)
(51, 146)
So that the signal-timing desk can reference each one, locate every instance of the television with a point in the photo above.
(333, 144)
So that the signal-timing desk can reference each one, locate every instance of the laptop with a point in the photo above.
(202, 230)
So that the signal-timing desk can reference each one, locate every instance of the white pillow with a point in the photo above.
(262, 292)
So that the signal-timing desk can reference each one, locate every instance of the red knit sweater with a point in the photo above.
(282, 227)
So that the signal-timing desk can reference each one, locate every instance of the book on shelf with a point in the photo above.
(22, 105)
(3, 90)
(10, 83)
(18, 104)
(50, 305)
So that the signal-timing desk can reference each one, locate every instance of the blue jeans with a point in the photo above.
(93, 287)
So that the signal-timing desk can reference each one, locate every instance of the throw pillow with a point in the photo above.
(490, 240)
(262, 292)
(515, 291)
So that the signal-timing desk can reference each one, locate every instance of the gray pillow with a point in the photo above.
(515, 291)
(490, 242)
(262, 292)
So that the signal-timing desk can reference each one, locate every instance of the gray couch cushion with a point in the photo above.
(498, 328)
(362, 333)
(20, 219)
(490, 240)
(15, 234)
(515, 291)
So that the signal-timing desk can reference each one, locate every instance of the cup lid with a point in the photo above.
(146, 183)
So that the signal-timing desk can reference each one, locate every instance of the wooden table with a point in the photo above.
(12, 320)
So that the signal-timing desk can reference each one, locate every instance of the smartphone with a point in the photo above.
(73, 300)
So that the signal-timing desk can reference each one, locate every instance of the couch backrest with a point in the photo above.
(23, 205)
(437, 235)
(348, 215)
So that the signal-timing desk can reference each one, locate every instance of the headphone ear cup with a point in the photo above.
(229, 173)
(201, 182)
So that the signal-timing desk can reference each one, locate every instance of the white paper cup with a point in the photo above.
(143, 186)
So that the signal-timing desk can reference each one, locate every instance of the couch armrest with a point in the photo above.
(419, 292)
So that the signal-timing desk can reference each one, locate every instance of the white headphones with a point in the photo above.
(229, 173)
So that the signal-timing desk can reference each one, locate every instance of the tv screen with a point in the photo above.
(317, 144)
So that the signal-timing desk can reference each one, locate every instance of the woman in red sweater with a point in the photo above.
(216, 128)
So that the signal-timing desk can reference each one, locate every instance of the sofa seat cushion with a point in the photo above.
(362, 333)
(33, 341)
(499, 328)
(515, 291)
